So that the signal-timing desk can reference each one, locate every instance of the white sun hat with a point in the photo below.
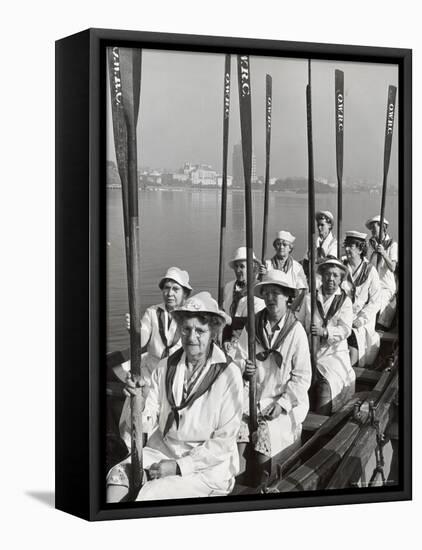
(240, 255)
(179, 276)
(274, 277)
(284, 236)
(375, 219)
(203, 302)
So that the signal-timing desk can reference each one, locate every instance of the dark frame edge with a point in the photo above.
(87, 502)
(72, 414)
(405, 259)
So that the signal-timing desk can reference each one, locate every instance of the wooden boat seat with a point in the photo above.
(387, 336)
(313, 422)
(367, 376)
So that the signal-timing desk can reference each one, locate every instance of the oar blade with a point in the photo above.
(130, 70)
(339, 118)
(389, 126)
(226, 119)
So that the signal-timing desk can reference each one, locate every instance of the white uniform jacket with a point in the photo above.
(332, 353)
(204, 443)
(287, 384)
(242, 306)
(295, 272)
(388, 285)
(155, 319)
(328, 246)
(363, 287)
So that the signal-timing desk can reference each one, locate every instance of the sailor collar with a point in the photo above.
(320, 296)
(217, 356)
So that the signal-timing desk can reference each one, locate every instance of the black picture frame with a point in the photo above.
(80, 268)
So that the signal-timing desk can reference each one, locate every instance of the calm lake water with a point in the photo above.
(181, 228)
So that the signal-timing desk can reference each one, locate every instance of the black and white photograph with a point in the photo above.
(211, 298)
(252, 276)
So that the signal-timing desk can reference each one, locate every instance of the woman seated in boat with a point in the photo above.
(362, 285)
(235, 298)
(159, 337)
(283, 261)
(332, 325)
(384, 257)
(193, 410)
(326, 242)
(282, 368)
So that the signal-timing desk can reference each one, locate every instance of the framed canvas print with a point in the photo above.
(233, 274)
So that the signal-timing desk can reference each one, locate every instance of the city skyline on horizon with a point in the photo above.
(181, 115)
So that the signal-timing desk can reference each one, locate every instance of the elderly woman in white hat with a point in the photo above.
(159, 337)
(194, 409)
(282, 367)
(362, 285)
(332, 325)
(326, 243)
(387, 253)
(283, 261)
(235, 301)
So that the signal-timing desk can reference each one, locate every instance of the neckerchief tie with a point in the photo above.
(161, 329)
(260, 320)
(320, 253)
(211, 376)
(360, 279)
(239, 291)
(277, 264)
(335, 306)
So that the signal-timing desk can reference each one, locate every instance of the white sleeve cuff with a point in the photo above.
(285, 404)
(186, 465)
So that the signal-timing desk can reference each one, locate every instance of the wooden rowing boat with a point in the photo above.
(355, 447)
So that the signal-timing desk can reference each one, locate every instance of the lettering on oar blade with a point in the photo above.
(390, 118)
(269, 107)
(227, 95)
(340, 112)
(244, 75)
(117, 83)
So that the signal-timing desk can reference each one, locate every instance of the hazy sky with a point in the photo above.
(181, 114)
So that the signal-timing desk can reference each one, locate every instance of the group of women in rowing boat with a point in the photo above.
(193, 397)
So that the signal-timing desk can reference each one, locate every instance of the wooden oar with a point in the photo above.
(268, 112)
(126, 93)
(226, 118)
(311, 211)
(120, 138)
(389, 126)
(339, 117)
(243, 76)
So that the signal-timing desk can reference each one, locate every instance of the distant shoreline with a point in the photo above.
(238, 190)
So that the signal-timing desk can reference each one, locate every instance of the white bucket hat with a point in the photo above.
(240, 255)
(203, 302)
(324, 214)
(179, 276)
(274, 277)
(284, 236)
(375, 219)
(331, 262)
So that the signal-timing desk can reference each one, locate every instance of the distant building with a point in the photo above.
(181, 178)
(204, 175)
(188, 168)
(220, 181)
